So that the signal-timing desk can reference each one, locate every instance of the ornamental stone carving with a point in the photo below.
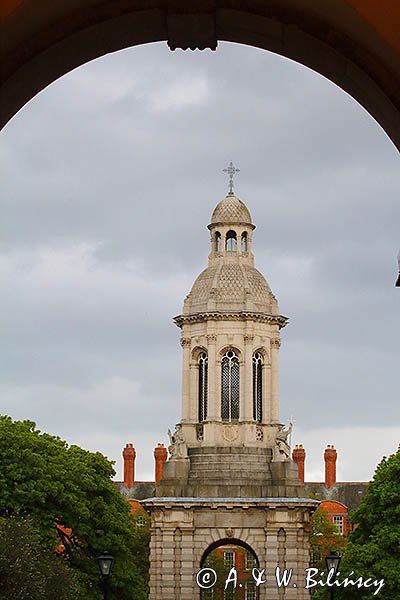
(282, 442)
(259, 433)
(200, 432)
(243, 315)
(248, 338)
(230, 432)
(177, 447)
(185, 342)
(211, 338)
(275, 343)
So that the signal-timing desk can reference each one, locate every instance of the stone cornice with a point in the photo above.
(152, 503)
(231, 315)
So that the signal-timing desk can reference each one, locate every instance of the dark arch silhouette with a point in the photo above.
(354, 45)
(231, 541)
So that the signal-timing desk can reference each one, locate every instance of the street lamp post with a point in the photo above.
(106, 563)
(332, 563)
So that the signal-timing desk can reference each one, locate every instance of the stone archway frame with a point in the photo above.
(182, 529)
(229, 540)
(347, 42)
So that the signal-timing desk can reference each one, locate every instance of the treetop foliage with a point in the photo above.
(41, 476)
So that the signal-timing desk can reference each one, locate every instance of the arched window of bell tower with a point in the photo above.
(231, 241)
(257, 386)
(217, 241)
(230, 386)
(203, 386)
(244, 242)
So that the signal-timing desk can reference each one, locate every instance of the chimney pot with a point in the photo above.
(299, 457)
(160, 456)
(330, 458)
(129, 455)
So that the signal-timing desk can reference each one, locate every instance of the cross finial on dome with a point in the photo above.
(231, 170)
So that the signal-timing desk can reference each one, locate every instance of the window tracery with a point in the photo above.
(230, 386)
(203, 386)
(257, 386)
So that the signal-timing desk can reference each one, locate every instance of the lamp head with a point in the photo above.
(332, 561)
(106, 563)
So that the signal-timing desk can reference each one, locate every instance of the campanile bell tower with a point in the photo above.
(230, 339)
(229, 472)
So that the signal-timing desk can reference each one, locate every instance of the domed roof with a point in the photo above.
(231, 210)
(231, 286)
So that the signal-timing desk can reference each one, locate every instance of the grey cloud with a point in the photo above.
(125, 155)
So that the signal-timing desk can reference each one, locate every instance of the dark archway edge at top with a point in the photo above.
(225, 542)
(42, 40)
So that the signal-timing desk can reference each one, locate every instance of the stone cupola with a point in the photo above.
(231, 281)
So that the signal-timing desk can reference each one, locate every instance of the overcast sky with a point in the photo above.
(110, 176)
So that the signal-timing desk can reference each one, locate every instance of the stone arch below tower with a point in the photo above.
(229, 541)
(185, 530)
(224, 555)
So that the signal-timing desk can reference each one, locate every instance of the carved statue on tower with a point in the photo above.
(283, 443)
(177, 447)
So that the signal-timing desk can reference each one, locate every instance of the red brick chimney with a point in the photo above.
(160, 456)
(299, 457)
(129, 454)
(330, 456)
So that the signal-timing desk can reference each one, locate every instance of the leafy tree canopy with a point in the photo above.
(373, 549)
(374, 546)
(41, 476)
(325, 537)
(27, 570)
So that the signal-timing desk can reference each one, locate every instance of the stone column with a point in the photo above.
(155, 560)
(193, 410)
(187, 563)
(247, 401)
(185, 343)
(168, 564)
(292, 562)
(275, 345)
(213, 406)
(267, 393)
(273, 558)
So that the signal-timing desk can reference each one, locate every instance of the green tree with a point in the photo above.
(215, 560)
(325, 538)
(374, 546)
(27, 570)
(41, 476)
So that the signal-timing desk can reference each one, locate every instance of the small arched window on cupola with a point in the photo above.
(217, 241)
(231, 241)
(244, 242)
(230, 386)
(257, 386)
(203, 386)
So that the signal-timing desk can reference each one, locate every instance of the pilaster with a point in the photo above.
(275, 345)
(247, 401)
(186, 344)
